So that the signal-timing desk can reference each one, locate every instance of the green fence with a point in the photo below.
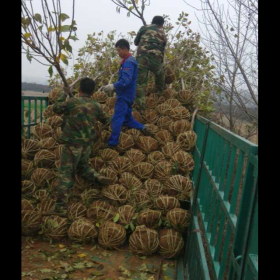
(32, 109)
(223, 234)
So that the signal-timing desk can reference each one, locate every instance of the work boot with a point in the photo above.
(59, 210)
(106, 181)
(146, 131)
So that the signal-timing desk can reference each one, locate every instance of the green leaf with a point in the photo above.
(65, 28)
(64, 58)
(74, 38)
(50, 71)
(25, 21)
(67, 46)
(38, 18)
(46, 270)
(126, 226)
(28, 56)
(63, 17)
(51, 29)
(97, 224)
(132, 226)
(27, 35)
(116, 218)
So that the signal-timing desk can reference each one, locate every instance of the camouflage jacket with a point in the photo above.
(150, 39)
(80, 116)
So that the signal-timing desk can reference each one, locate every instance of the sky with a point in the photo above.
(97, 15)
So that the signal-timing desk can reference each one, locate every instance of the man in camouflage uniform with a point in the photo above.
(151, 42)
(80, 116)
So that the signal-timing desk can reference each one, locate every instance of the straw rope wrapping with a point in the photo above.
(143, 170)
(163, 170)
(82, 230)
(179, 126)
(156, 157)
(30, 148)
(163, 137)
(179, 218)
(41, 176)
(100, 211)
(108, 172)
(172, 102)
(110, 102)
(129, 181)
(57, 164)
(46, 205)
(170, 243)
(108, 154)
(27, 167)
(185, 97)
(105, 136)
(27, 187)
(88, 196)
(135, 156)
(164, 122)
(139, 199)
(150, 116)
(137, 116)
(182, 185)
(150, 89)
(58, 152)
(115, 193)
(149, 218)
(184, 160)
(43, 130)
(152, 128)
(111, 235)
(126, 142)
(30, 222)
(126, 213)
(100, 97)
(54, 121)
(135, 133)
(76, 210)
(147, 144)
(55, 227)
(160, 99)
(179, 113)
(120, 164)
(169, 93)
(42, 194)
(164, 109)
(154, 187)
(81, 183)
(170, 149)
(143, 241)
(44, 158)
(97, 163)
(56, 134)
(151, 102)
(49, 112)
(187, 140)
(166, 203)
(48, 143)
(27, 205)
(54, 94)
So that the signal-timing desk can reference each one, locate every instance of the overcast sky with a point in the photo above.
(97, 15)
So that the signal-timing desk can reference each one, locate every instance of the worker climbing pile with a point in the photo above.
(140, 176)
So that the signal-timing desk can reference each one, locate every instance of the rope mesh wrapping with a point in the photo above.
(100, 97)
(163, 137)
(169, 93)
(170, 243)
(108, 154)
(82, 230)
(149, 218)
(136, 115)
(27, 205)
(164, 109)
(185, 97)
(164, 122)
(143, 170)
(46, 205)
(115, 193)
(179, 218)
(44, 159)
(48, 143)
(126, 213)
(166, 203)
(49, 112)
(110, 102)
(54, 121)
(151, 102)
(76, 211)
(155, 157)
(179, 126)
(30, 148)
(135, 133)
(55, 227)
(100, 211)
(41, 176)
(135, 156)
(154, 187)
(150, 116)
(42, 194)
(120, 164)
(172, 102)
(55, 94)
(30, 222)
(126, 142)
(187, 140)
(27, 187)
(170, 149)
(88, 196)
(111, 235)
(58, 152)
(43, 130)
(152, 128)
(160, 99)
(139, 198)
(129, 181)
(179, 113)
(184, 160)
(147, 144)
(163, 170)
(27, 167)
(108, 172)
(56, 134)
(143, 241)
(81, 183)
(97, 163)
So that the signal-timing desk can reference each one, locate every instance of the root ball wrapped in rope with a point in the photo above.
(135, 156)
(149, 218)
(178, 218)
(117, 194)
(44, 159)
(55, 227)
(43, 130)
(166, 203)
(82, 230)
(76, 210)
(41, 177)
(187, 140)
(30, 222)
(130, 182)
(101, 210)
(143, 170)
(27, 187)
(147, 144)
(29, 148)
(126, 213)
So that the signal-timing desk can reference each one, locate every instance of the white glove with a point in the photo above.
(108, 89)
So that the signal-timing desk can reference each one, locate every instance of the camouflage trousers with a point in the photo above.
(148, 63)
(74, 160)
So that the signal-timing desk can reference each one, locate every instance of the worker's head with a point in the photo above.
(87, 86)
(158, 20)
(122, 47)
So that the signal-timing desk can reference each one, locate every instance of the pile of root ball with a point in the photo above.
(152, 179)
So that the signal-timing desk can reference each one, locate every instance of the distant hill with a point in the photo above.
(35, 87)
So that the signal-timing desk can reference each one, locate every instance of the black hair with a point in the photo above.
(87, 86)
(158, 20)
(122, 43)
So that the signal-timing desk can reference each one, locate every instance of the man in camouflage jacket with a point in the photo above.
(80, 116)
(151, 42)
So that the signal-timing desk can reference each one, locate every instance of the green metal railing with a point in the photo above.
(31, 106)
(222, 237)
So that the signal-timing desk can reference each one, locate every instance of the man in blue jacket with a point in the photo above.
(125, 89)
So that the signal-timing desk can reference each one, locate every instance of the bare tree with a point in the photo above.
(42, 36)
(230, 33)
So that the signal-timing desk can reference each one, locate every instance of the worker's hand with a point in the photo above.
(108, 89)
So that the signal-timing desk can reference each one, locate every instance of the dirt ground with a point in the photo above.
(65, 260)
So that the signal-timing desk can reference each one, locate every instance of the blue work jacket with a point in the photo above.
(125, 87)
